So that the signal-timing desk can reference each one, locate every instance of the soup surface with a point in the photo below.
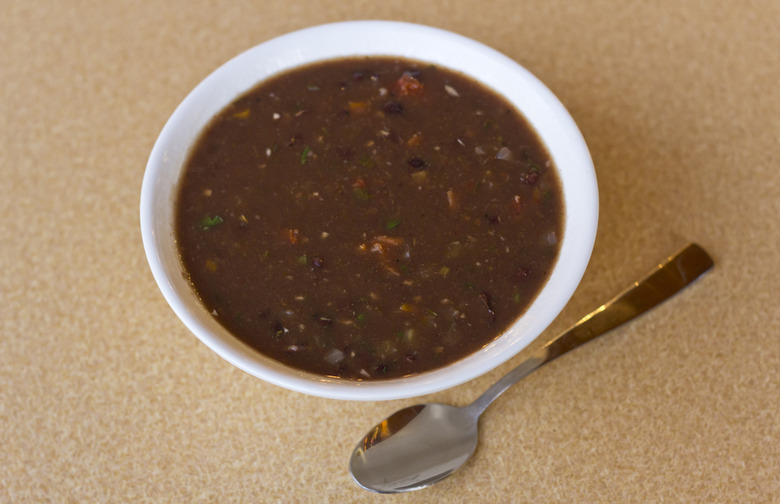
(368, 218)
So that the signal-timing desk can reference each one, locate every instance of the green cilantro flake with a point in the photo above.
(360, 193)
(393, 223)
(535, 168)
(305, 154)
(209, 222)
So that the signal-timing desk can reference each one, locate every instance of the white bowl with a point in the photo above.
(551, 120)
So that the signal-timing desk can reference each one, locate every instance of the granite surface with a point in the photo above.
(106, 397)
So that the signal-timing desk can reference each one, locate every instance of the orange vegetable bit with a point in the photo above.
(408, 85)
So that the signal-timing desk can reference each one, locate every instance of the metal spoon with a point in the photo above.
(420, 445)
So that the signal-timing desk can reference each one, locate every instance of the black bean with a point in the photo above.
(393, 107)
(417, 163)
(279, 330)
(529, 177)
(492, 218)
(294, 140)
(487, 301)
(521, 274)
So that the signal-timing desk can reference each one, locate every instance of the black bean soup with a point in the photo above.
(368, 218)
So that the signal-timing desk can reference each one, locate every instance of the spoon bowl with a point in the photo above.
(422, 444)
(438, 439)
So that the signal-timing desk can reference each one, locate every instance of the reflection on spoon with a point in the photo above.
(422, 444)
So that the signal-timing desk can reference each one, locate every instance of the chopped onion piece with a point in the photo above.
(334, 356)
(450, 90)
(451, 199)
(504, 153)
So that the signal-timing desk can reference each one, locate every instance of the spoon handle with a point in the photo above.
(664, 281)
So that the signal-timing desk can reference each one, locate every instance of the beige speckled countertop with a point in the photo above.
(106, 397)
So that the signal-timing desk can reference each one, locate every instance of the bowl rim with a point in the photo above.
(544, 111)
